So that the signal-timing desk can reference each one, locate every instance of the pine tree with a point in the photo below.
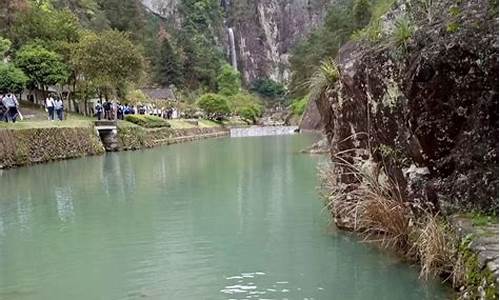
(168, 65)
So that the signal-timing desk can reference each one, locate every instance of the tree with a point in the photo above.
(4, 46)
(12, 79)
(168, 66)
(268, 88)
(200, 30)
(42, 23)
(43, 67)
(216, 106)
(228, 81)
(108, 61)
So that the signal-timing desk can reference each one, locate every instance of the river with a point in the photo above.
(230, 218)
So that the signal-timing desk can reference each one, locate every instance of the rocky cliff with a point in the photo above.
(264, 31)
(424, 112)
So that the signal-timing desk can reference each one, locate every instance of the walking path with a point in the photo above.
(484, 241)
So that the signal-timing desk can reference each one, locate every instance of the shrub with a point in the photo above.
(403, 31)
(268, 88)
(215, 106)
(324, 78)
(299, 106)
(246, 106)
(228, 81)
(147, 121)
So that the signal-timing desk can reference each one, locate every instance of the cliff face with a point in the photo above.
(264, 31)
(427, 113)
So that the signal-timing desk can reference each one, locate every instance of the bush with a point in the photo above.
(246, 106)
(299, 106)
(215, 106)
(402, 32)
(228, 81)
(268, 88)
(147, 121)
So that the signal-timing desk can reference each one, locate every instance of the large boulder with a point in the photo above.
(429, 105)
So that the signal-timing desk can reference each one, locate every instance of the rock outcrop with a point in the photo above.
(430, 104)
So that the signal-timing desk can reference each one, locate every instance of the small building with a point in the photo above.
(159, 94)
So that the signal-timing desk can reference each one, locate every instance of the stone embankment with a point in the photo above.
(27, 146)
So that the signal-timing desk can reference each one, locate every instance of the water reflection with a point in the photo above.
(217, 219)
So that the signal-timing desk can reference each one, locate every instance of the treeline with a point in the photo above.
(345, 20)
(107, 47)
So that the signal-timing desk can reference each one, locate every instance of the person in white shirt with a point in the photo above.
(49, 105)
(58, 107)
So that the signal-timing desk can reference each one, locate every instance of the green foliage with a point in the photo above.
(216, 106)
(268, 88)
(168, 65)
(12, 79)
(372, 33)
(403, 31)
(321, 44)
(324, 78)
(4, 46)
(228, 81)
(299, 105)
(43, 67)
(452, 27)
(246, 106)
(147, 121)
(45, 24)
(202, 58)
(380, 8)
(108, 60)
(135, 97)
(125, 16)
(361, 13)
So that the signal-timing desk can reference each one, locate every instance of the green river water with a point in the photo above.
(217, 219)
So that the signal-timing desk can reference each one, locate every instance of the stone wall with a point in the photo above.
(20, 147)
(134, 138)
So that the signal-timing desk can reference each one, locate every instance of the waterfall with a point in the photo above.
(232, 48)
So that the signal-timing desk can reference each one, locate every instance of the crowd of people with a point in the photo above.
(109, 110)
(9, 108)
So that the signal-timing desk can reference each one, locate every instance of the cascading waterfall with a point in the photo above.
(232, 48)
(230, 34)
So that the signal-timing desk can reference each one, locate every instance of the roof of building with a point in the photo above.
(159, 93)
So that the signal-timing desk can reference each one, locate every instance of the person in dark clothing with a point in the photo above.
(107, 110)
(3, 111)
(98, 111)
(119, 111)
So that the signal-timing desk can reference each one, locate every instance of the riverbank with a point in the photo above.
(27, 143)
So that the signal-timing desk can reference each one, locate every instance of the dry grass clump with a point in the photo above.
(372, 204)
(435, 247)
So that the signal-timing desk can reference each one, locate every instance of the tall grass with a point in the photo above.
(377, 210)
